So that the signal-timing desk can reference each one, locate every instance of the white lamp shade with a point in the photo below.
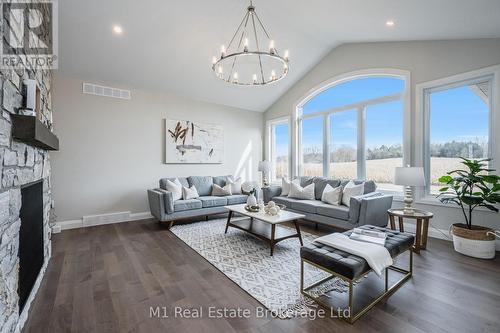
(264, 166)
(409, 176)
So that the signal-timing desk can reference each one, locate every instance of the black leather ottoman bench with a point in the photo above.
(352, 268)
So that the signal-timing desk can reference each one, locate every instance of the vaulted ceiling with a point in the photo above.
(167, 45)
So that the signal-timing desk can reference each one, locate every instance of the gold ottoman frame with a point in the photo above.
(353, 317)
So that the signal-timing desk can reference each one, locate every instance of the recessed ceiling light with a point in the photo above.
(389, 23)
(117, 29)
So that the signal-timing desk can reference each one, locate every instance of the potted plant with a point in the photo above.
(471, 187)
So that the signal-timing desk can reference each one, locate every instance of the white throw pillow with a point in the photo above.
(189, 193)
(235, 185)
(351, 190)
(175, 187)
(218, 191)
(332, 196)
(285, 186)
(299, 192)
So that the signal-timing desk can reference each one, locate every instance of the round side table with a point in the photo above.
(422, 225)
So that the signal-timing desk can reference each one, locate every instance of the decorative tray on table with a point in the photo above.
(252, 209)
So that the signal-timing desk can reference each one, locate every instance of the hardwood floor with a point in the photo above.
(106, 278)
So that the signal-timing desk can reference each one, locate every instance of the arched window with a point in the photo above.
(353, 129)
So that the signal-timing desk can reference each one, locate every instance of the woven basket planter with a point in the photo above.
(475, 242)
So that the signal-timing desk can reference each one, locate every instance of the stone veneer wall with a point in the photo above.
(19, 164)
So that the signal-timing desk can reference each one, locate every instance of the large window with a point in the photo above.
(279, 149)
(384, 143)
(360, 124)
(312, 146)
(343, 144)
(459, 121)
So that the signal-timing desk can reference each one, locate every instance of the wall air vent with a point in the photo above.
(94, 89)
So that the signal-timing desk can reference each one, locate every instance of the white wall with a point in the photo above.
(112, 150)
(426, 60)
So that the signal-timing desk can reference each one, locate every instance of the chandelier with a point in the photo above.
(250, 58)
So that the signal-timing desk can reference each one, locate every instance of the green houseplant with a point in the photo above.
(471, 187)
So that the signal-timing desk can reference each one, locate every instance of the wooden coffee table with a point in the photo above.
(263, 226)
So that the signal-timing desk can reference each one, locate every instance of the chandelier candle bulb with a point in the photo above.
(254, 78)
(271, 46)
(214, 60)
(245, 45)
(235, 77)
(286, 55)
(222, 51)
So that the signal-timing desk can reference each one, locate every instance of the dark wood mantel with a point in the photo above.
(30, 130)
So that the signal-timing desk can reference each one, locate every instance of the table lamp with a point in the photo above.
(408, 177)
(265, 167)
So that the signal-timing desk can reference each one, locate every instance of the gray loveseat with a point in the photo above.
(369, 208)
(165, 209)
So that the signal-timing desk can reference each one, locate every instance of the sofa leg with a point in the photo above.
(170, 224)
(206, 218)
(316, 226)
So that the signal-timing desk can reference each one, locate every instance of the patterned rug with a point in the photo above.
(273, 281)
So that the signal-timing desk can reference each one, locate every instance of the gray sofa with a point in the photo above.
(369, 208)
(165, 209)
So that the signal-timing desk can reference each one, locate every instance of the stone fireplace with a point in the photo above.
(21, 165)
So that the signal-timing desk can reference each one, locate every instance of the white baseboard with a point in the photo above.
(70, 224)
(94, 220)
(108, 218)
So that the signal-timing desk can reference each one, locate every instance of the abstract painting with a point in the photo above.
(193, 142)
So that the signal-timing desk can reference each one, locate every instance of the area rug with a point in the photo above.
(273, 281)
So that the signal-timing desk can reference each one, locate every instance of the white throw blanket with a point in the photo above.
(377, 256)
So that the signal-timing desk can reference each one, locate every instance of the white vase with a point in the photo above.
(252, 200)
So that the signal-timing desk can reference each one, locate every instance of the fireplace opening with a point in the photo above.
(30, 239)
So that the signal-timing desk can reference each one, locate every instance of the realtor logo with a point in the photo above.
(29, 34)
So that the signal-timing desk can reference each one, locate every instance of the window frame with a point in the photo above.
(423, 139)
(404, 96)
(270, 144)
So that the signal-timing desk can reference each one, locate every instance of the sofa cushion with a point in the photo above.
(306, 180)
(304, 193)
(338, 212)
(235, 184)
(236, 199)
(332, 196)
(189, 193)
(370, 185)
(211, 201)
(351, 190)
(285, 201)
(308, 206)
(221, 180)
(182, 180)
(182, 205)
(355, 205)
(320, 184)
(175, 187)
(218, 191)
(202, 183)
